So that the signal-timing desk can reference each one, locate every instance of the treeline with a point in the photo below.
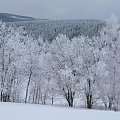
(50, 29)
(82, 68)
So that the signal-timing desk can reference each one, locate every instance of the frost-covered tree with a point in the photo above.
(72, 63)
(60, 60)
(110, 36)
(36, 82)
(10, 52)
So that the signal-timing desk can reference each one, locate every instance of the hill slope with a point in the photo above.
(9, 111)
(5, 17)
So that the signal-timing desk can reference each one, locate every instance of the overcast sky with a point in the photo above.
(62, 9)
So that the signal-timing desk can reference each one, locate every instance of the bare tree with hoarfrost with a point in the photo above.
(110, 36)
(71, 62)
(10, 53)
(61, 67)
(36, 84)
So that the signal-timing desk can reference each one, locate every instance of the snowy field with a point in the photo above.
(13, 111)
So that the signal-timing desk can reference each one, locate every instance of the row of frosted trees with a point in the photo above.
(81, 69)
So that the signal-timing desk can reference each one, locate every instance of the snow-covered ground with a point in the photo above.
(12, 111)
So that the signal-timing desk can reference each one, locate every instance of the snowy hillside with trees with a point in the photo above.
(50, 29)
(75, 72)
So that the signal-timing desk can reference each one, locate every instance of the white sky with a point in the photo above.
(62, 9)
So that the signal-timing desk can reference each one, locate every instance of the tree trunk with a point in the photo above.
(89, 97)
(69, 95)
(28, 84)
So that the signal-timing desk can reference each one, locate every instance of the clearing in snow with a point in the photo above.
(13, 111)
